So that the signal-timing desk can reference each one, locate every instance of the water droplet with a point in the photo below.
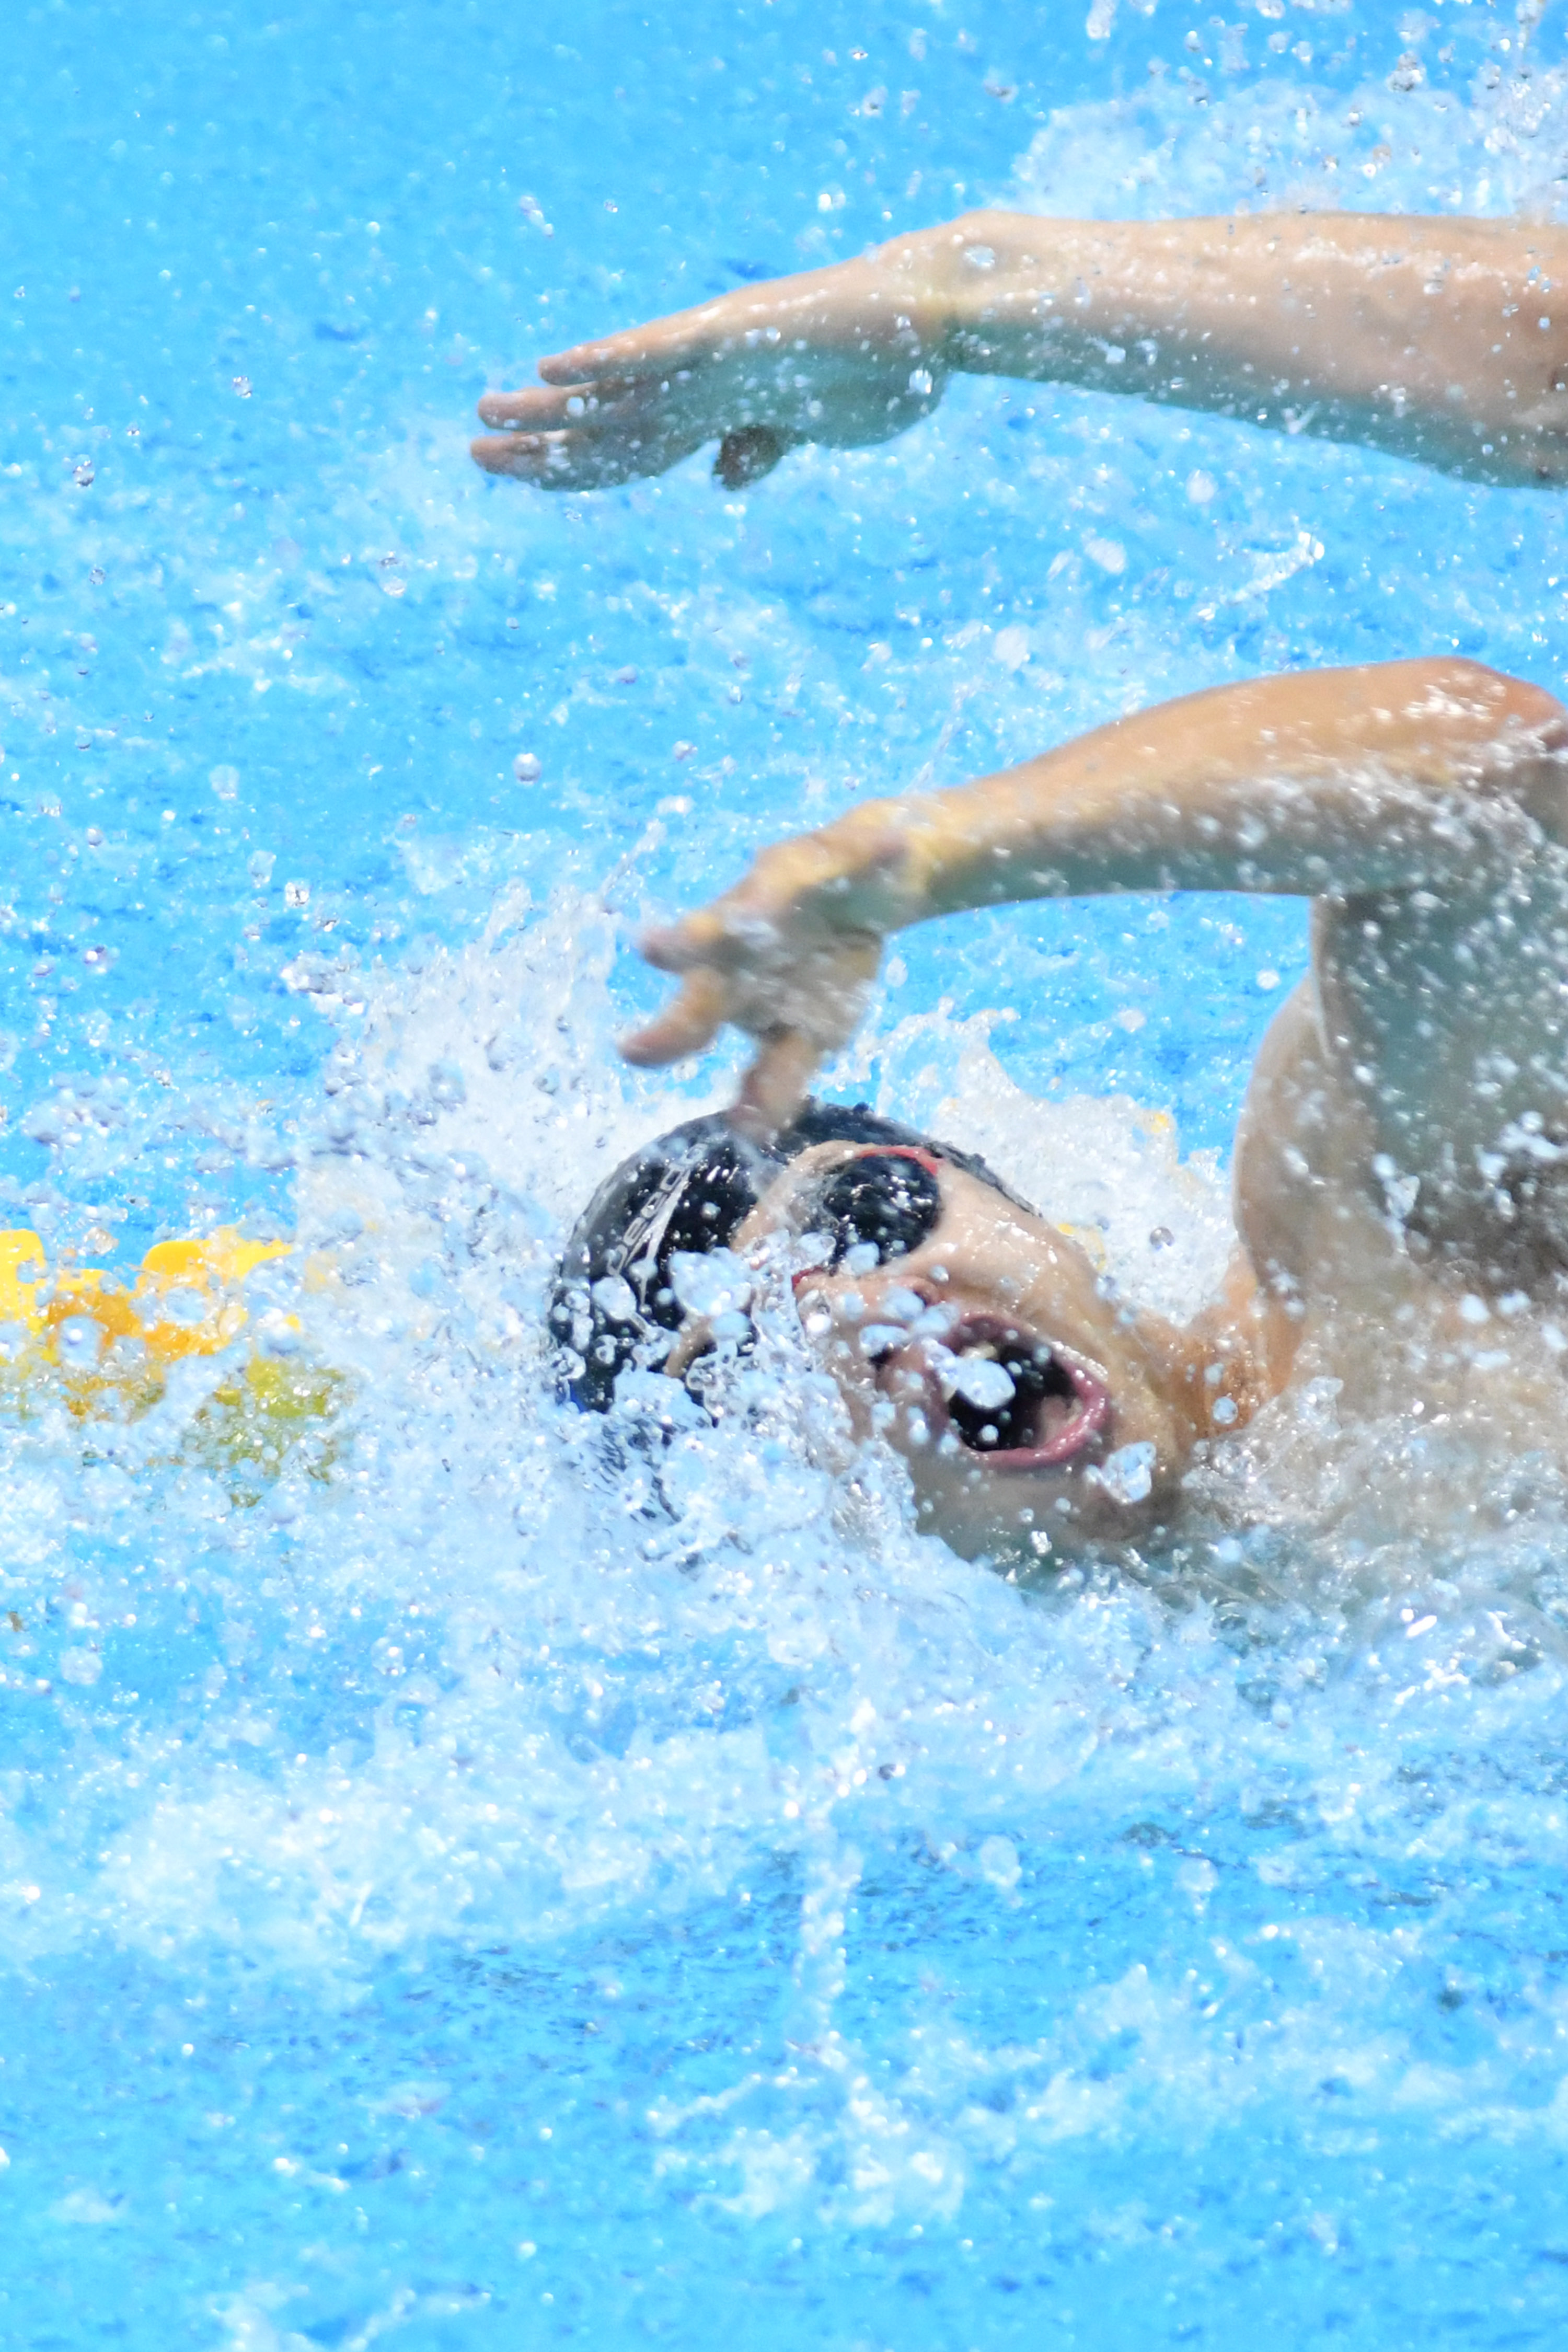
(980, 1381)
(79, 1343)
(999, 1862)
(1128, 1475)
(615, 1298)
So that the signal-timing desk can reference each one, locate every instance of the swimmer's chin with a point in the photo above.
(1124, 1488)
(1033, 1542)
(1120, 1483)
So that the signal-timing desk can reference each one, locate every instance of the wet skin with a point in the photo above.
(1401, 1171)
(1439, 339)
(993, 1285)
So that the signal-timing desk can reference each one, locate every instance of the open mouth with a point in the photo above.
(1005, 1394)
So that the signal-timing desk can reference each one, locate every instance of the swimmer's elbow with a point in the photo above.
(1506, 707)
(1544, 721)
(1524, 746)
(1527, 714)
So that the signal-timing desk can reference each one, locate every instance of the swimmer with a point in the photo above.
(1445, 340)
(1401, 1166)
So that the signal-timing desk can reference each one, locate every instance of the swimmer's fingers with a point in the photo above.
(580, 460)
(580, 457)
(537, 407)
(810, 308)
(692, 1021)
(526, 455)
(777, 1084)
(817, 1007)
(805, 902)
(816, 997)
(576, 436)
(546, 407)
(682, 340)
(707, 939)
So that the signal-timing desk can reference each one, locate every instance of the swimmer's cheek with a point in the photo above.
(1040, 1520)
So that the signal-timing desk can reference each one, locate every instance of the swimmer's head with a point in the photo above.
(691, 1191)
(1032, 1409)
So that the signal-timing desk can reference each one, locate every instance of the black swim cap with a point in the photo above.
(690, 1191)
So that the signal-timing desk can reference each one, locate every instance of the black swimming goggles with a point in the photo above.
(887, 1199)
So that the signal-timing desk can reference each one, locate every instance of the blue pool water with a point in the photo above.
(435, 1908)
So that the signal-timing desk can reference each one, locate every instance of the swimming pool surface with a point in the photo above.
(441, 1900)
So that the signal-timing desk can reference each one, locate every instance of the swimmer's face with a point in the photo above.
(975, 1338)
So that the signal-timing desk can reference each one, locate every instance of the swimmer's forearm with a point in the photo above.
(1441, 338)
(1402, 776)
(1389, 777)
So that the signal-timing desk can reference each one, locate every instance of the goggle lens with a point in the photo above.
(890, 1198)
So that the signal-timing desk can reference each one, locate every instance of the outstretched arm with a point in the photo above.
(1445, 339)
(1400, 776)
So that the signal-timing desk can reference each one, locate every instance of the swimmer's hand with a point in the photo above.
(789, 955)
(846, 356)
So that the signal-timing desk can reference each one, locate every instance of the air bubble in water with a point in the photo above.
(710, 1282)
(79, 1340)
(224, 781)
(528, 767)
(981, 1381)
(186, 1306)
(1128, 1475)
(999, 1863)
(616, 1298)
